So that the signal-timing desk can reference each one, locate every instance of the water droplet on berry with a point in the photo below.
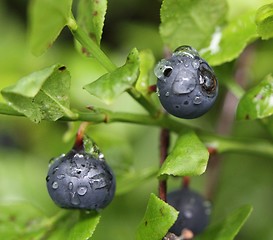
(55, 185)
(61, 176)
(75, 199)
(195, 63)
(186, 51)
(55, 170)
(167, 94)
(197, 100)
(78, 155)
(188, 214)
(184, 83)
(186, 62)
(101, 156)
(47, 178)
(82, 190)
(70, 186)
(163, 68)
(98, 181)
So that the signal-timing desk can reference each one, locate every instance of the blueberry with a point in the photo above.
(80, 180)
(187, 85)
(194, 211)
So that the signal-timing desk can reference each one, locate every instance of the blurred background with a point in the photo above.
(26, 148)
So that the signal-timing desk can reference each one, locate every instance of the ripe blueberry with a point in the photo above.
(187, 85)
(80, 180)
(193, 209)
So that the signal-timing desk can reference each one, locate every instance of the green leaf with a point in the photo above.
(188, 22)
(229, 227)
(264, 21)
(42, 94)
(85, 227)
(158, 218)
(20, 221)
(188, 158)
(258, 101)
(229, 41)
(132, 179)
(111, 85)
(146, 67)
(46, 20)
(90, 17)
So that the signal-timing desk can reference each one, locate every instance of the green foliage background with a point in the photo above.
(26, 211)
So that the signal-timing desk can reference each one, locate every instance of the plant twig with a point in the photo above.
(164, 146)
(90, 45)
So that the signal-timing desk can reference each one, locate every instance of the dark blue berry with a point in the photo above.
(187, 85)
(79, 180)
(194, 211)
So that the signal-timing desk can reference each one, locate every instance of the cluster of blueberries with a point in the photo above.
(187, 88)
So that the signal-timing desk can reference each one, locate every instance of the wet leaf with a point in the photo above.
(46, 20)
(229, 227)
(258, 101)
(190, 22)
(85, 227)
(109, 86)
(264, 21)
(158, 218)
(90, 17)
(146, 67)
(42, 94)
(189, 157)
(228, 41)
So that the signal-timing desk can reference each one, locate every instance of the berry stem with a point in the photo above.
(186, 181)
(78, 145)
(152, 89)
(164, 145)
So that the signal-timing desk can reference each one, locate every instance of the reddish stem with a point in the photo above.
(78, 145)
(164, 145)
(152, 89)
(186, 181)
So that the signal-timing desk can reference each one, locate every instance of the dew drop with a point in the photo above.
(101, 156)
(55, 185)
(186, 51)
(167, 94)
(75, 199)
(82, 190)
(70, 186)
(185, 82)
(55, 170)
(47, 178)
(197, 100)
(188, 214)
(78, 155)
(195, 63)
(161, 67)
(186, 63)
(61, 176)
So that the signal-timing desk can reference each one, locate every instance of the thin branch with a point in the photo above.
(164, 146)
